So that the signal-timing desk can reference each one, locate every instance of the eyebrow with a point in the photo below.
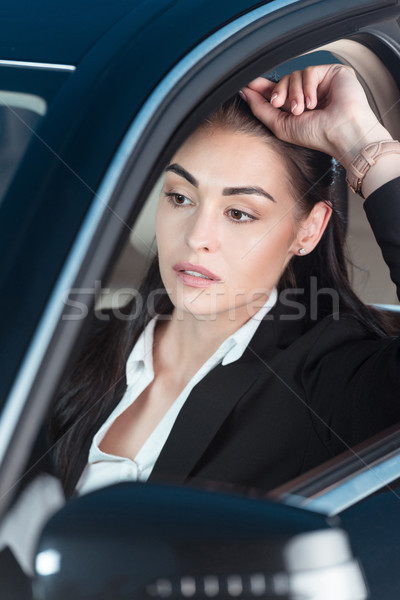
(247, 190)
(175, 168)
(231, 191)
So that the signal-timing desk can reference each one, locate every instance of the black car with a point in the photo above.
(95, 97)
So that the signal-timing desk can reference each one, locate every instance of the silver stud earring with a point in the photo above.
(302, 251)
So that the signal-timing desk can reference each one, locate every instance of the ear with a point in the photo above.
(311, 228)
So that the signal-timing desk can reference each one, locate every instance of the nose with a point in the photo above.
(202, 231)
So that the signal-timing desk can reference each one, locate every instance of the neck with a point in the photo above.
(189, 340)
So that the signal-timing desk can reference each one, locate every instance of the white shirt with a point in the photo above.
(105, 469)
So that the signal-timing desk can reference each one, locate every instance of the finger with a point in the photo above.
(262, 86)
(296, 94)
(279, 92)
(317, 81)
(270, 90)
(311, 80)
(264, 111)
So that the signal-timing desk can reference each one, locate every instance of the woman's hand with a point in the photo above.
(323, 107)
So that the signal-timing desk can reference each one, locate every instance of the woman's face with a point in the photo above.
(225, 224)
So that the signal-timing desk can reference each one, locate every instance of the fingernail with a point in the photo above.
(242, 95)
(308, 102)
(293, 105)
(273, 97)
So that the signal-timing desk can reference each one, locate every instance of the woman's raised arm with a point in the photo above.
(325, 108)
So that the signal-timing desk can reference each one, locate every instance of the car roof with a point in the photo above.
(62, 31)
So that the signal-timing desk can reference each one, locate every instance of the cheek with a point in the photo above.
(159, 220)
(164, 236)
(168, 224)
(263, 256)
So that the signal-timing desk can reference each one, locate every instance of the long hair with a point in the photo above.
(88, 392)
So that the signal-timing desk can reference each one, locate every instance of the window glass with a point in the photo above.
(20, 115)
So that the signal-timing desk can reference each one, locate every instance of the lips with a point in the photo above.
(195, 271)
(195, 276)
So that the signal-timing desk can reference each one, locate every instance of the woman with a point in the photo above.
(262, 362)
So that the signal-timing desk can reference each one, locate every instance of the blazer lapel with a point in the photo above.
(214, 397)
(204, 412)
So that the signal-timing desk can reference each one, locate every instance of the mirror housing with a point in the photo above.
(136, 540)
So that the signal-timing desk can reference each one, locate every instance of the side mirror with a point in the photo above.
(145, 541)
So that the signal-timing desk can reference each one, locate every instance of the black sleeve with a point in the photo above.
(353, 390)
(382, 208)
(352, 378)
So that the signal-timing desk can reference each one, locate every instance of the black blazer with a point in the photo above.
(297, 397)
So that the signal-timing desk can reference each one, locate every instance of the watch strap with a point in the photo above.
(366, 159)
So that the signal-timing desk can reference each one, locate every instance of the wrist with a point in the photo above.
(348, 141)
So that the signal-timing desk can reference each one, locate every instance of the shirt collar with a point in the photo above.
(230, 350)
(142, 353)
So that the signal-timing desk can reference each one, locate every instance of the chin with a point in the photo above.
(203, 313)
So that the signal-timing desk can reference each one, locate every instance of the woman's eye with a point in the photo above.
(239, 216)
(178, 199)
